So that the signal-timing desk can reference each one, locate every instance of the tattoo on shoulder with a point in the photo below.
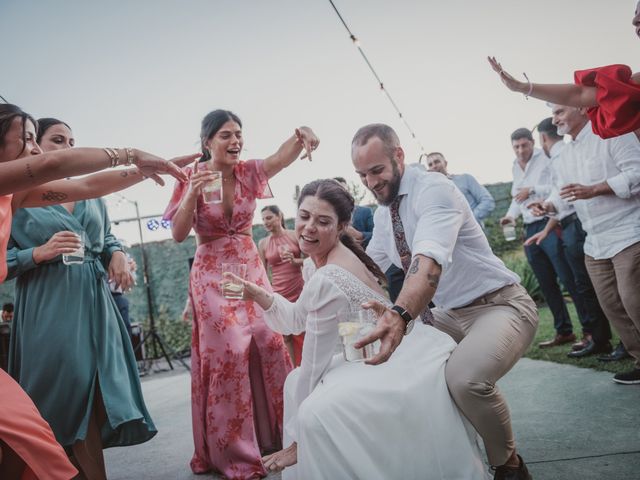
(434, 279)
(54, 196)
(414, 266)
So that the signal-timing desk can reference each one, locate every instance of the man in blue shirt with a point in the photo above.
(479, 198)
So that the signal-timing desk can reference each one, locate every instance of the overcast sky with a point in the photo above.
(143, 73)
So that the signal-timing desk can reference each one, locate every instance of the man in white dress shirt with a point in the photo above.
(425, 225)
(532, 182)
(601, 178)
(595, 326)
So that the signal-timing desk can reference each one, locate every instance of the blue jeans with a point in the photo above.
(548, 263)
(595, 321)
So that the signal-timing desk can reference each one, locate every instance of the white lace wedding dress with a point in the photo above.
(357, 421)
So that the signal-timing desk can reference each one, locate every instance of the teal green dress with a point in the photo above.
(69, 342)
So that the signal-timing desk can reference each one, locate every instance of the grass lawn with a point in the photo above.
(559, 354)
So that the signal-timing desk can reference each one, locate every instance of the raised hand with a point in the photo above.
(150, 165)
(60, 243)
(511, 83)
(308, 139)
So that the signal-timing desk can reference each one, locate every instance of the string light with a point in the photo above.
(356, 42)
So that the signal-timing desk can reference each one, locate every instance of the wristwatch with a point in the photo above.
(406, 316)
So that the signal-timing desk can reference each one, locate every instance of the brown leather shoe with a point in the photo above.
(559, 339)
(512, 473)
(582, 344)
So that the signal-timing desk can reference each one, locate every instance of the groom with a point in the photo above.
(425, 225)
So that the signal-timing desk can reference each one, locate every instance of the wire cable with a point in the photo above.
(356, 42)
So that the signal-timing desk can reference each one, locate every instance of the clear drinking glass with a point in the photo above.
(232, 288)
(283, 250)
(353, 325)
(212, 190)
(509, 231)
(78, 255)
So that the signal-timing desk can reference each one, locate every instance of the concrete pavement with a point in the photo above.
(570, 423)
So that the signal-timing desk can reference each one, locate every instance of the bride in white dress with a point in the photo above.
(346, 420)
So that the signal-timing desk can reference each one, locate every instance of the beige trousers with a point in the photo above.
(616, 281)
(492, 334)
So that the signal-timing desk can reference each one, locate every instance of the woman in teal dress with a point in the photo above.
(70, 349)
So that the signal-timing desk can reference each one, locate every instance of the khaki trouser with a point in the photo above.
(492, 334)
(616, 281)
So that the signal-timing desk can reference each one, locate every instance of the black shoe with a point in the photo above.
(620, 353)
(590, 349)
(512, 473)
(631, 377)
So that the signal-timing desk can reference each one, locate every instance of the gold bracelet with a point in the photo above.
(129, 156)
(113, 156)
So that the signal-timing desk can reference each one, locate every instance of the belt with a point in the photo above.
(485, 299)
(230, 233)
(568, 220)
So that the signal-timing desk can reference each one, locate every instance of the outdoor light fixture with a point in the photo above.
(153, 224)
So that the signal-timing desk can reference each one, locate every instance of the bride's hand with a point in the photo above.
(277, 462)
(250, 290)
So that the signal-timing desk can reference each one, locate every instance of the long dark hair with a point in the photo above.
(343, 204)
(8, 112)
(276, 211)
(211, 123)
(46, 123)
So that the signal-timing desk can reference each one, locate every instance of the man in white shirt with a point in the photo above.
(595, 326)
(532, 182)
(425, 225)
(479, 198)
(601, 178)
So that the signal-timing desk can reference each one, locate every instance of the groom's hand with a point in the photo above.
(389, 330)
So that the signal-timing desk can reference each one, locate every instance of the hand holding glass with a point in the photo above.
(212, 190)
(354, 325)
(76, 256)
(509, 231)
(232, 276)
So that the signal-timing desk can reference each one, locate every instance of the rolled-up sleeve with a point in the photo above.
(438, 224)
(626, 152)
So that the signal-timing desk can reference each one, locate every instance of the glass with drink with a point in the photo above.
(76, 256)
(212, 190)
(352, 326)
(232, 287)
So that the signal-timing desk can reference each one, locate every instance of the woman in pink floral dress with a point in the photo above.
(239, 364)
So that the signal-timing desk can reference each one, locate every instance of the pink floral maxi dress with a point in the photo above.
(239, 365)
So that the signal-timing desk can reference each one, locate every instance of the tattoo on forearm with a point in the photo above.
(125, 173)
(414, 266)
(30, 172)
(54, 196)
(434, 279)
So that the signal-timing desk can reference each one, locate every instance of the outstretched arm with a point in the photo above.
(29, 172)
(568, 94)
(99, 184)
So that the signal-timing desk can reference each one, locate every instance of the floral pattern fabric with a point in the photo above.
(239, 365)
